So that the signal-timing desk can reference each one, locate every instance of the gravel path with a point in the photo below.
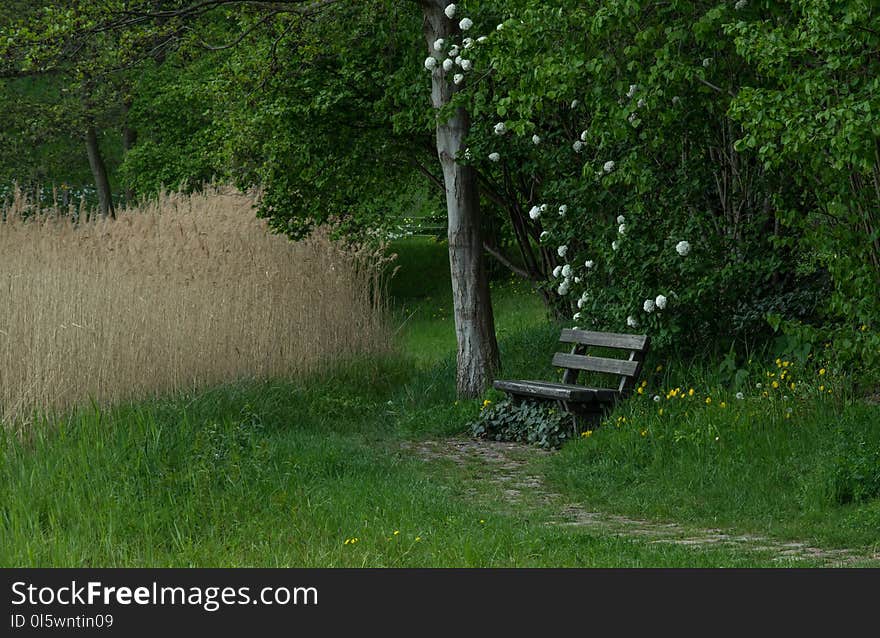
(508, 468)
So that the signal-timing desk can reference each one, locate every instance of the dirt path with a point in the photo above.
(507, 467)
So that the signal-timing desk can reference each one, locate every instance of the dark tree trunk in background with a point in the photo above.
(478, 358)
(99, 171)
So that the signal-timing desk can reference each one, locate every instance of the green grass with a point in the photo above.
(795, 464)
(422, 294)
(283, 473)
(278, 474)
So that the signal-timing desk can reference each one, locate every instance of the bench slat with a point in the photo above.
(558, 391)
(596, 364)
(604, 339)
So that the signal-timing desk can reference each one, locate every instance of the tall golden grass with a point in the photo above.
(187, 291)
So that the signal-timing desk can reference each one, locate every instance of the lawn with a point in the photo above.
(316, 472)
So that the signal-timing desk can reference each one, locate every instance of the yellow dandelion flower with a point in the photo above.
(708, 400)
(821, 371)
(659, 368)
(779, 363)
(821, 388)
(660, 412)
(775, 384)
(640, 390)
(644, 433)
(587, 434)
(792, 385)
(486, 404)
(691, 392)
(723, 404)
(785, 364)
(397, 532)
(864, 327)
(418, 539)
(644, 383)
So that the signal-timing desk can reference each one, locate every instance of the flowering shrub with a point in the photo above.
(679, 230)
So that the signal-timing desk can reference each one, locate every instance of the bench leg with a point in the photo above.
(587, 418)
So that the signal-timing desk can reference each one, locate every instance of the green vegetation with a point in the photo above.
(706, 172)
(798, 464)
(287, 473)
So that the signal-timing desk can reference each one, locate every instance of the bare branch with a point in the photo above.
(507, 263)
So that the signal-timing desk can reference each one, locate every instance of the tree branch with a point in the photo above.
(507, 263)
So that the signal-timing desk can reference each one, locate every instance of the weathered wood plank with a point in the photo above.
(604, 339)
(628, 384)
(556, 391)
(596, 364)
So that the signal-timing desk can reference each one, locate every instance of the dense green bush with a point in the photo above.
(745, 129)
(534, 422)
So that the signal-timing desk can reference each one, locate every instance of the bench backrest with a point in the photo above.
(579, 360)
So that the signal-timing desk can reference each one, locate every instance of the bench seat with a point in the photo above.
(557, 391)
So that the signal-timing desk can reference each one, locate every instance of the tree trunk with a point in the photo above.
(478, 358)
(99, 171)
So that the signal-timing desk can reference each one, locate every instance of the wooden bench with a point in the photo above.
(584, 402)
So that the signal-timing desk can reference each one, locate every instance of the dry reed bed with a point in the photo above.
(184, 292)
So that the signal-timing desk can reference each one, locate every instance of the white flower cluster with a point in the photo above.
(608, 166)
(650, 305)
(566, 271)
(494, 157)
(536, 211)
(454, 54)
(683, 248)
(500, 128)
